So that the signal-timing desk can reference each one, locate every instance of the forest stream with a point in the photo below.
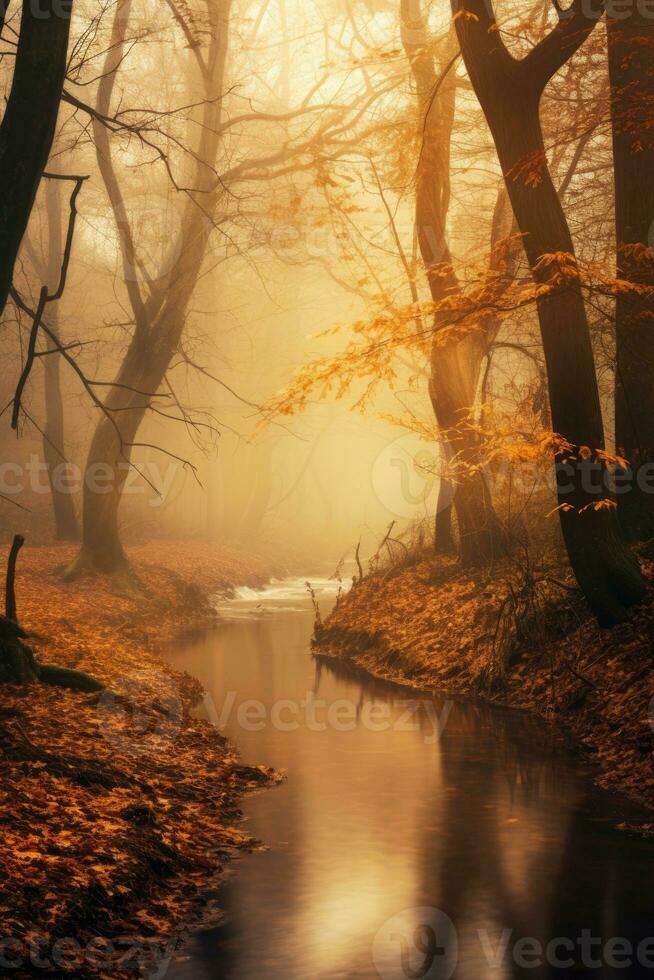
(413, 837)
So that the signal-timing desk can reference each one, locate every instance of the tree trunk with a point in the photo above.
(28, 126)
(256, 505)
(26, 136)
(109, 461)
(444, 543)
(509, 92)
(453, 388)
(630, 42)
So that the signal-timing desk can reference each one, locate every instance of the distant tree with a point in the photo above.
(158, 300)
(48, 269)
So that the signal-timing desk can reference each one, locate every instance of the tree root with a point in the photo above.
(75, 680)
(18, 665)
(123, 578)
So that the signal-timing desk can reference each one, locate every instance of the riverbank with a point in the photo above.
(118, 810)
(512, 637)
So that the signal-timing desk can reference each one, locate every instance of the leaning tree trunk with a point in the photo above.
(630, 46)
(26, 136)
(509, 92)
(110, 458)
(29, 122)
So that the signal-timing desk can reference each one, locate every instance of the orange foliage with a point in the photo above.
(116, 810)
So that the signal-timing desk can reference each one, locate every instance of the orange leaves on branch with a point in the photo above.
(611, 459)
(530, 170)
(558, 269)
(596, 505)
(604, 504)
(371, 355)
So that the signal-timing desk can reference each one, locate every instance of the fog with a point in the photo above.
(308, 230)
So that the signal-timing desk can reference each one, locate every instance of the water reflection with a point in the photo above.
(492, 823)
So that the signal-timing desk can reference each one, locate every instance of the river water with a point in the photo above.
(413, 838)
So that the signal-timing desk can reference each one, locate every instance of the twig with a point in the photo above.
(70, 233)
(581, 677)
(358, 561)
(31, 354)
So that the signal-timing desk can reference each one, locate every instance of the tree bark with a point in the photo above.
(509, 92)
(444, 543)
(630, 53)
(28, 126)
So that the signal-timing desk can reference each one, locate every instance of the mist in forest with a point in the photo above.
(274, 276)
(327, 439)
(300, 129)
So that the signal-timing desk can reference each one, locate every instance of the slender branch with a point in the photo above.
(31, 353)
(70, 234)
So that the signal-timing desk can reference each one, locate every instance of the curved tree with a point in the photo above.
(509, 91)
(29, 121)
(159, 306)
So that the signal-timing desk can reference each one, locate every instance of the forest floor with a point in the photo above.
(522, 640)
(116, 810)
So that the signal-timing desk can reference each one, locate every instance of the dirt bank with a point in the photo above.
(520, 638)
(117, 810)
